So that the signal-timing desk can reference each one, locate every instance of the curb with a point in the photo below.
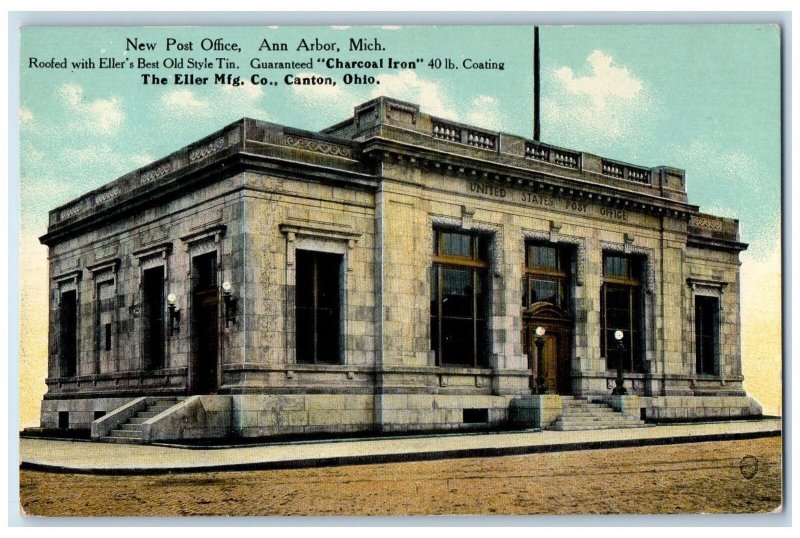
(401, 457)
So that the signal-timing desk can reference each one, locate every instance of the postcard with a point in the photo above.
(400, 270)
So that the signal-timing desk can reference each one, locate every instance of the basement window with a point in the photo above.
(476, 416)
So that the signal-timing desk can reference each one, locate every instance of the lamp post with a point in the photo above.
(539, 341)
(619, 389)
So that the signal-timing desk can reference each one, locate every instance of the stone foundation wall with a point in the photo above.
(259, 415)
(81, 411)
(699, 407)
(262, 415)
(420, 412)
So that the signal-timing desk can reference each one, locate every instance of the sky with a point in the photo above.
(698, 97)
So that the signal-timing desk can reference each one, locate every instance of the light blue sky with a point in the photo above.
(702, 98)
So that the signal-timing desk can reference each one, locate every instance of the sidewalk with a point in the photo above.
(104, 458)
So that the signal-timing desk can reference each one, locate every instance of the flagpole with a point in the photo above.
(536, 79)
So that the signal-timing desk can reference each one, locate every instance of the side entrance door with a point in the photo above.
(205, 325)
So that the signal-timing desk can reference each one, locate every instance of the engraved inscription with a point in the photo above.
(575, 206)
(487, 189)
(538, 199)
(613, 213)
(579, 207)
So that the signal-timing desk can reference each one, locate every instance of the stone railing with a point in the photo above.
(613, 169)
(566, 158)
(461, 135)
(481, 140)
(626, 172)
(538, 152)
(551, 154)
(445, 132)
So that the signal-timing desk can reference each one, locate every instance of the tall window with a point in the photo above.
(103, 319)
(317, 301)
(458, 298)
(68, 333)
(620, 310)
(546, 276)
(153, 308)
(706, 333)
(205, 324)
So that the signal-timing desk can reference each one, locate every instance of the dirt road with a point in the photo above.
(687, 478)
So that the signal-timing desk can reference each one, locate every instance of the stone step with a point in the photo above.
(161, 407)
(589, 412)
(137, 420)
(612, 418)
(125, 433)
(581, 414)
(599, 410)
(131, 427)
(121, 440)
(587, 403)
(588, 420)
(581, 403)
(146, 414)
(598, 423)
(569, 427)
(589, 415)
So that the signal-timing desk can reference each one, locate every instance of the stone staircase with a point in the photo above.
(581, 414)
(130, 431)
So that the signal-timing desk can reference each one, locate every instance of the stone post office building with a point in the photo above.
(387, 273)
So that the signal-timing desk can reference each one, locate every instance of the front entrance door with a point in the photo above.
(556, 368)
(549, 362)
(205, 324)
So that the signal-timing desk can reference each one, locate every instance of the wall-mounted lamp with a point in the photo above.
(230, 303)
(174, 315)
